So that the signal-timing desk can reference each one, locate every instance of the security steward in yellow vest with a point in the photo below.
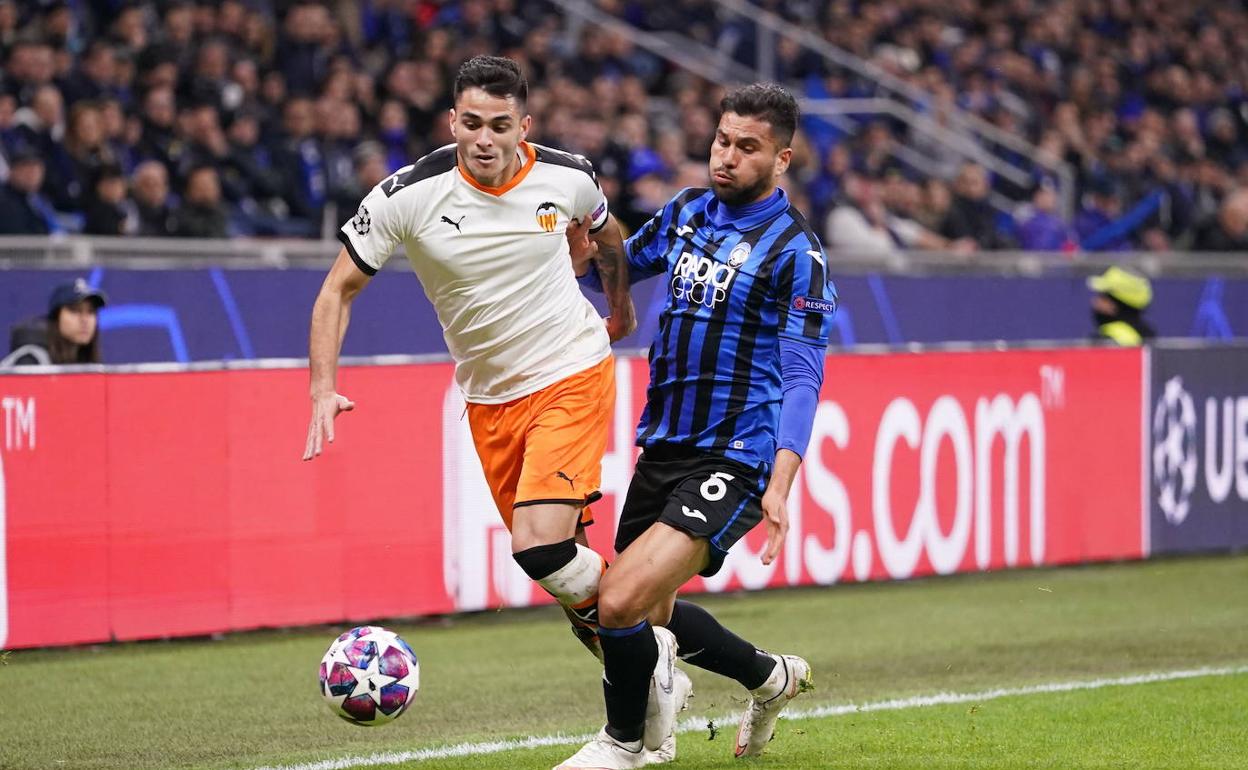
(1118, 304)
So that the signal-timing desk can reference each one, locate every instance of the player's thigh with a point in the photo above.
(646, 576)
(702, 494)
(537, 524)
(566, 438)
(653, 481)
(718, 503)
(498, 432)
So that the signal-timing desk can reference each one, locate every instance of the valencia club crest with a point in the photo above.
(547, 216)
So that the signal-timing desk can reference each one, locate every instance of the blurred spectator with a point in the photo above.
(300, 163)
(150, 189)
(202, 213)
(858, 224)
(1229, 230)
(873, 217)
(95, 76)
(23, 209)
(247, 175)
(68, 334)
(1040, 226)
(937, 198)
(120, 134)
(159, 140)
(1102, 209)
(338, 125)
(87, 151)
(369, 166)
(970, 214)
(278, 96)
(108, 212)
(1118, 303)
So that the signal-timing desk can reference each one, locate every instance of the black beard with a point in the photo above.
(743, 196)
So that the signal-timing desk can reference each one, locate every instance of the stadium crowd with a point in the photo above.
(273, 119)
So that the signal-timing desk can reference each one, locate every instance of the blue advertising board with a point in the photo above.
(1197, 455)
(219, 313)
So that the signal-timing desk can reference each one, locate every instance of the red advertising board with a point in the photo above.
(165, 504)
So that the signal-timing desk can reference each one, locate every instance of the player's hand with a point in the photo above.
(582, 247)
(324, 409)
(620, 327)
(776, 517)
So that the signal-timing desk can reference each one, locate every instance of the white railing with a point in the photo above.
(85, 252)
(967, 137)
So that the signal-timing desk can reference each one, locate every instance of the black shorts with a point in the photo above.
(705, 494)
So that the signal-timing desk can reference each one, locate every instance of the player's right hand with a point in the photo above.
(619, 327)
(582, 248)
(324, 409)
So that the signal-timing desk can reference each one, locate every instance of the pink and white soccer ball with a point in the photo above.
(369, 676)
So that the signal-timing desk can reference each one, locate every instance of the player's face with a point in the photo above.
(487, 130)
(746, 160)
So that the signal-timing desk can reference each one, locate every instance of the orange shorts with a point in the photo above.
(547, 447)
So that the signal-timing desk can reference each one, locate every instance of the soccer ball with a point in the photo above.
(369, 676)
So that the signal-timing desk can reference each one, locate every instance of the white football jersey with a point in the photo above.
(495, 264)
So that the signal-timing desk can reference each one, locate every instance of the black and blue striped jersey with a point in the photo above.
(738, 279)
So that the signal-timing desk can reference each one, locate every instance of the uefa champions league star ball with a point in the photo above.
(369, 676)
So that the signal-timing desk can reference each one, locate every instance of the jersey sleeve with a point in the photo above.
(588, 199)
(647, 248)
(378, 226)
(806, 298)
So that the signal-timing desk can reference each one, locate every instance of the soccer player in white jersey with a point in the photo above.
(482, 223)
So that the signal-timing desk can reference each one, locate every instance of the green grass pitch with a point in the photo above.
(251, 700)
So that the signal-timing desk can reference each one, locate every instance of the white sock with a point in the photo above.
(775, 683)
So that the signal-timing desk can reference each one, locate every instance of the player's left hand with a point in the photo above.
(582, 247)
(776, 517)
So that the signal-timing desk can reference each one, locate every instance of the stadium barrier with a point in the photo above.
(171, 501)
(191, 300)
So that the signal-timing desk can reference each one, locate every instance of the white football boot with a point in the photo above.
(790, 678)
(606, 753)
(661, 706)
(682, 688)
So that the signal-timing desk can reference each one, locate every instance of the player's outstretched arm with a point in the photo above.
(612, 264)
(330, 316)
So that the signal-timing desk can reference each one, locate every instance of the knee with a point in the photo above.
(618, 608)
(539, 561)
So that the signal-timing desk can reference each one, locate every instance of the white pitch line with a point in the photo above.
(699, 723)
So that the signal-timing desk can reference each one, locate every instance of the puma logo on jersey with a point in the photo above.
(453, 223)
(693, 513)
(564, 476)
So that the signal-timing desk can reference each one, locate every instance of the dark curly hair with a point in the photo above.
(495, 75)
(769, 102)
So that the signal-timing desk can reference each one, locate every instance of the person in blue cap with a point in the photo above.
(69, 334)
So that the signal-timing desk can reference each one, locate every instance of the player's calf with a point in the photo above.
(571, 573)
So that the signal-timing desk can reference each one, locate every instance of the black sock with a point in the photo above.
(704, 642)
(629, 657)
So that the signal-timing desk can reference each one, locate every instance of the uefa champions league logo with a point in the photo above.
(1174, 450)
(362, 222)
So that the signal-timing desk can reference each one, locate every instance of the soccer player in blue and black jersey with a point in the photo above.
(735, 371)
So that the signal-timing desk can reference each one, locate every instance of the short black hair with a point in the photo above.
(495, 75)
(766, 101)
